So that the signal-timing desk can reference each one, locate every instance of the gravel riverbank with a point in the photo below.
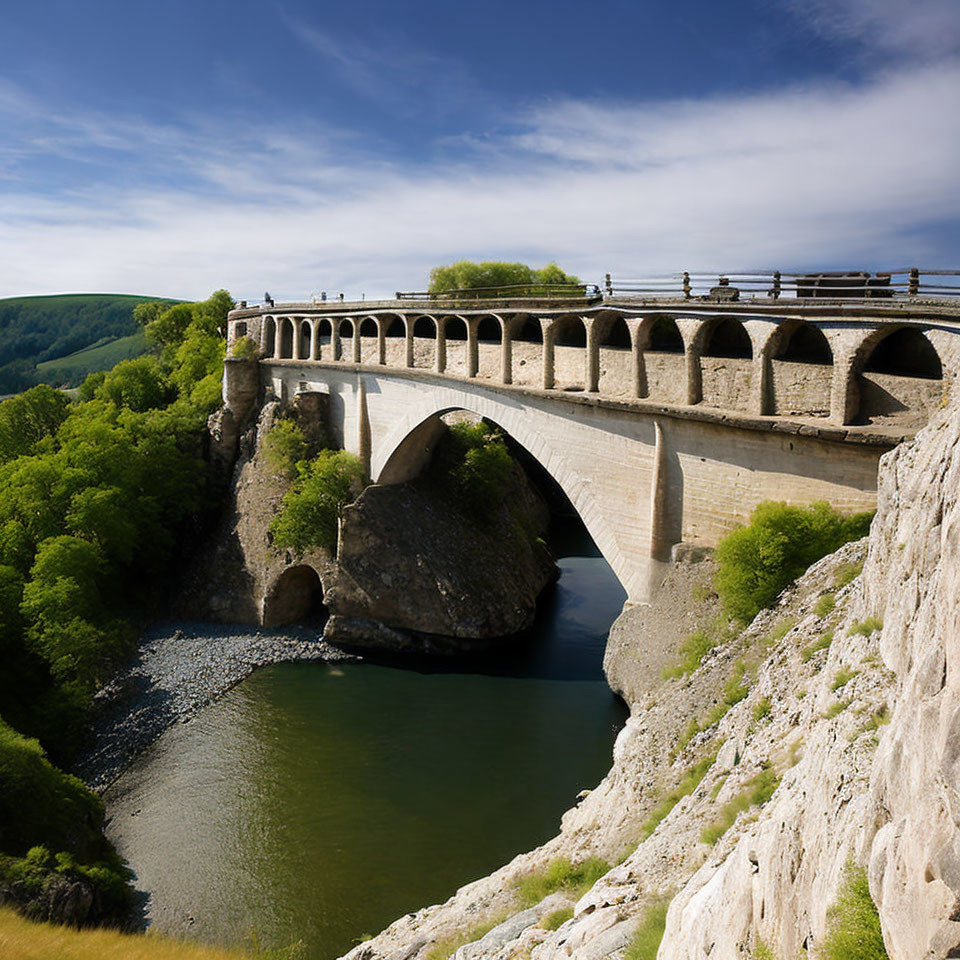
(177, 670)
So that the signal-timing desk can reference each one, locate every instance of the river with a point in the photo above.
(318, 802)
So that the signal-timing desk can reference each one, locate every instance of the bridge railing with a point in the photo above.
(906, 283)
(525, 291)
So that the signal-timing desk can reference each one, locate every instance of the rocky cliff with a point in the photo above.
(416, 571)
(827, 732)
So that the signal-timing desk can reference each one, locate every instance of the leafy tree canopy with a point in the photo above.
(466, 275)
(312, 509)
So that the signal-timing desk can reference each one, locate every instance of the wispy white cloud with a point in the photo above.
(813, 175)
(389, 68)
(921, 28)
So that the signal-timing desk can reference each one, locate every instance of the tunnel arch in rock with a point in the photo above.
(293, 597)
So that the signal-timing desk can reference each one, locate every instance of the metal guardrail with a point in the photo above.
(527, 291)
(839, 285)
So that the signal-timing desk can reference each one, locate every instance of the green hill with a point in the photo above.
(37, 330)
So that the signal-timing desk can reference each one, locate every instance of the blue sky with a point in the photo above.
(297, 146)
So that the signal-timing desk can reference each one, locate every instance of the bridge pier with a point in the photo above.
(473, 347)
(549, 336)
(591, 359)
(506, 352)
(440, 360)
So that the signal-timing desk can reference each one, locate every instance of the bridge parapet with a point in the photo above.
(883, 365)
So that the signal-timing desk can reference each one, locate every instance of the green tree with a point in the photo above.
(28, 418)
(138, 384)
(311, 511)
(466, 275)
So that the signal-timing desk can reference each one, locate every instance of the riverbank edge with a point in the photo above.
(178, 668)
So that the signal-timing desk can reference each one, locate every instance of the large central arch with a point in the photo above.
(407, 447)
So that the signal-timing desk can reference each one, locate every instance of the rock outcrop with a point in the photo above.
(415, 571)
(826, 732)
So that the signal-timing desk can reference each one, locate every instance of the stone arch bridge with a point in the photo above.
(664, 423)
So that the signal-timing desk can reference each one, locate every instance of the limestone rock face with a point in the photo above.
(912, 579)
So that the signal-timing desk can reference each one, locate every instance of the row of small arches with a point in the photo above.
(904, 351)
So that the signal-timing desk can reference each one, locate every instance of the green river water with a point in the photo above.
(319, 803)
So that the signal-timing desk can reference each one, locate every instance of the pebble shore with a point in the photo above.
(177, 670)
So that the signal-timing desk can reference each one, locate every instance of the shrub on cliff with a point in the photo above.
(310, 516)
(284, 447)
(853, 923)
(756, 562)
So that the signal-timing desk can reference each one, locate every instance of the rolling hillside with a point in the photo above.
(36, 331)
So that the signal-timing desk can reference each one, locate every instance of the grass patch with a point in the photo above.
(846, 573)
(762, 952)
(692, 729)
(692, 651)
(842, 677)
(560, 874)
(824, 606)
(555, 920)
(879, 718)
(853, 923)
(448, 946)
(734, 690)
(646, 941)
(783, 628)
(755, 794)
(718, 786)
(865, 627)
(22, 939)
(762, 709)
(808, 652)
(689, 783)
(835, 710)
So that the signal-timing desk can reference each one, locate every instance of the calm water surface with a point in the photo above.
(319, 803)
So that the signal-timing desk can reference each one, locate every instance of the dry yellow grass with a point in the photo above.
(23, 940)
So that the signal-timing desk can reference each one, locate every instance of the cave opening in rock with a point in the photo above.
(296, 597)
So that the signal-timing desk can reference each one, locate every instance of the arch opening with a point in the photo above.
(455, 335)
(489, 336)
(286, 338)
(905, 353)
(569, 354)
(270, 337)
(800, 371)
(305, 340)
(665, 336)
(424, 342)
(296, 597)
(526, 355)
(369, 341)
(616, 360)
(726, 366)
(727, 338)
(661, 360)
(395, 334)
(803, 343)
(901, 378)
